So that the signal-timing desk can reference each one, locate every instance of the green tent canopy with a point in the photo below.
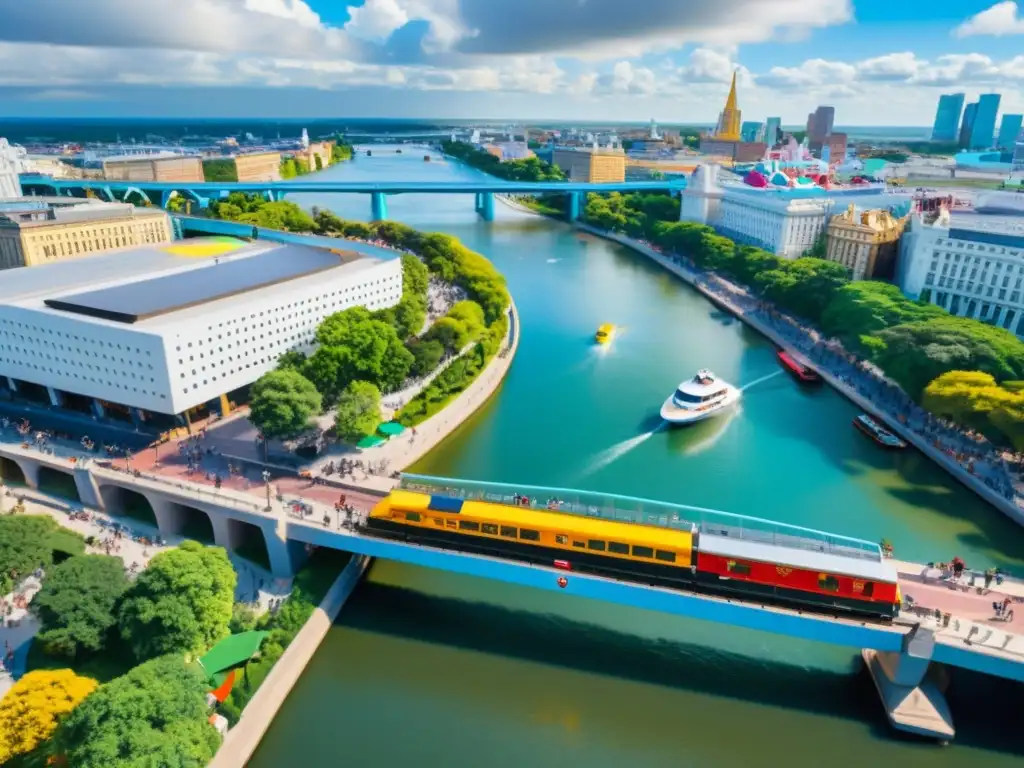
(370, 441)
(391, 429)
(231, 652)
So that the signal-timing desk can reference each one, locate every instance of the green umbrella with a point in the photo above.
(370, 441)
(391, 429)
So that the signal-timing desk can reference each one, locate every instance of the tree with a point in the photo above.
(283, 402)
(427, 355)
(354, 345)
(220, 169)
(868, 306)
(28, 542)
(155, 715)
(293, 360)
(75, 606)
(32, 708)
(358, 412)
(181, 603)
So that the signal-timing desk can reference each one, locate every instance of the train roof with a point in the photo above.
(524, 517)
(798, 557)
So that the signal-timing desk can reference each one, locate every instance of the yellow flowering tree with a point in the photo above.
(33, 706)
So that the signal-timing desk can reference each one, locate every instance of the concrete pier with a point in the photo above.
(911, 687)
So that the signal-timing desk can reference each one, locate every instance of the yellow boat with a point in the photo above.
(604, 333)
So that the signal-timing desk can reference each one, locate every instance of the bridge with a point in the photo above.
(908, 650)
(152, 192)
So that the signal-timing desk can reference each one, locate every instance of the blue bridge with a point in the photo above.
(151, 192)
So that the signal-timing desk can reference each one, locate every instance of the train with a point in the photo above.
(793, 576)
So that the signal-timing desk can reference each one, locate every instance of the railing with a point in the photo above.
(646, 512)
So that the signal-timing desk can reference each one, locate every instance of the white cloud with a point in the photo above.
(1001, 19)
(292, 10)
(376, 20)
(625, 79)
(811, 73)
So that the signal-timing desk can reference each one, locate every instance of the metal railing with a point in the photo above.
(631, 509)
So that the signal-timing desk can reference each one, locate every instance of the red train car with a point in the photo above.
(841, 581)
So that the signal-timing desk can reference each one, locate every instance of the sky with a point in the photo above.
(878, 62)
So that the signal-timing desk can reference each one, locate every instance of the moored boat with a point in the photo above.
(877, 432)
(701, 397)
(605, 333)
(799, 367)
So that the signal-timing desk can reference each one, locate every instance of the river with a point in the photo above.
(435, 669)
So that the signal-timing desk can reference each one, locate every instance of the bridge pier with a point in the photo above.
(166, 196)
(573, 210)
(485, 205)
(88, 490)
(12, 384)
(379, 206)
(30, 469)
(56, 397)
(911, 687)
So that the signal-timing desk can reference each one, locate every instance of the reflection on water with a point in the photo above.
(430, 668)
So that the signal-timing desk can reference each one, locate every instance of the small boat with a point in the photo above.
(877, 432)
(426, 158)
(700, 398)
(799, 367)
(605, 334)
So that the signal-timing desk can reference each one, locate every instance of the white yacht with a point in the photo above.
(699, 398)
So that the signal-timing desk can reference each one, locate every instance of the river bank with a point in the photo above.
(954, 468)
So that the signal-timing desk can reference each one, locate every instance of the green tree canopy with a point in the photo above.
(427, 355)
(155, 715)
(869, 306)
(358, 412)
(75, 606)
(181, 603)
(28, 542)
(220, 169)
(527, 169)
(283, 403)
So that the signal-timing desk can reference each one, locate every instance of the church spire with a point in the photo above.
(729, 121)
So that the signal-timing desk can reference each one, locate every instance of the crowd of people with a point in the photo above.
(973, 452)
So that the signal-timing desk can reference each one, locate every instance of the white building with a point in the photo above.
(970, 264)
(785, 221)
(166, 328)
(12, 162)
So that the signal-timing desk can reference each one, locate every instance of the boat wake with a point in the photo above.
(718, 428)
(619, 450)
(553, 261)
(755, 382)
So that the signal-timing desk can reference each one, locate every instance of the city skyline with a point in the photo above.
(531, 60)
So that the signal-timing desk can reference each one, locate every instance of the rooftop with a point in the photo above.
(29, 212)
(995, 229)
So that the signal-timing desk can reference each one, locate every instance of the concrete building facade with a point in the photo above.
(970, 264)
(865, 242)
(35, 232)
(185, 168)
(947, 117)
(167, 328)
(1009, 132)
(983, 129)
(13, 161)
(592, 165)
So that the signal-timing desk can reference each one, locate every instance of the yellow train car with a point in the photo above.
(583, 543)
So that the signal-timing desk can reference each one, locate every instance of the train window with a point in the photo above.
(740, 569)
(468, 525)
(596, 544)
(510, 531)
(450, 523)
(642, 551)
(526, 533)
(869, 589)
(579, 544)
(414, 516)
(490, 528)
(439, 522)
(617, 548)
(561, 538)
(668, 557)
(828, 583)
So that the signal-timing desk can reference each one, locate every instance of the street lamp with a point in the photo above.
(266, 480)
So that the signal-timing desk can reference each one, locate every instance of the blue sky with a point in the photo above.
(879, 62)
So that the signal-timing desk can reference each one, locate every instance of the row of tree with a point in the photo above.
(914, 342)
(527, 169)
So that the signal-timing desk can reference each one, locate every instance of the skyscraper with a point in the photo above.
(984, 129)
(1009, 130)
(967, 124)
(751, 130)
(772, 131)
(819, 124)
(728, 128)
(947, 117)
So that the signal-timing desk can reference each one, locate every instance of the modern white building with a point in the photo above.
(785, 221)
(165, 328)
(971, 264)
(13, 160)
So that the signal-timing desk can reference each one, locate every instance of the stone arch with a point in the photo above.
(124, 502)
(58, 483)
(185, 521)
(10, 472)
(248, 541)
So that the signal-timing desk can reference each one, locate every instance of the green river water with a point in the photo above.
(434, 669)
